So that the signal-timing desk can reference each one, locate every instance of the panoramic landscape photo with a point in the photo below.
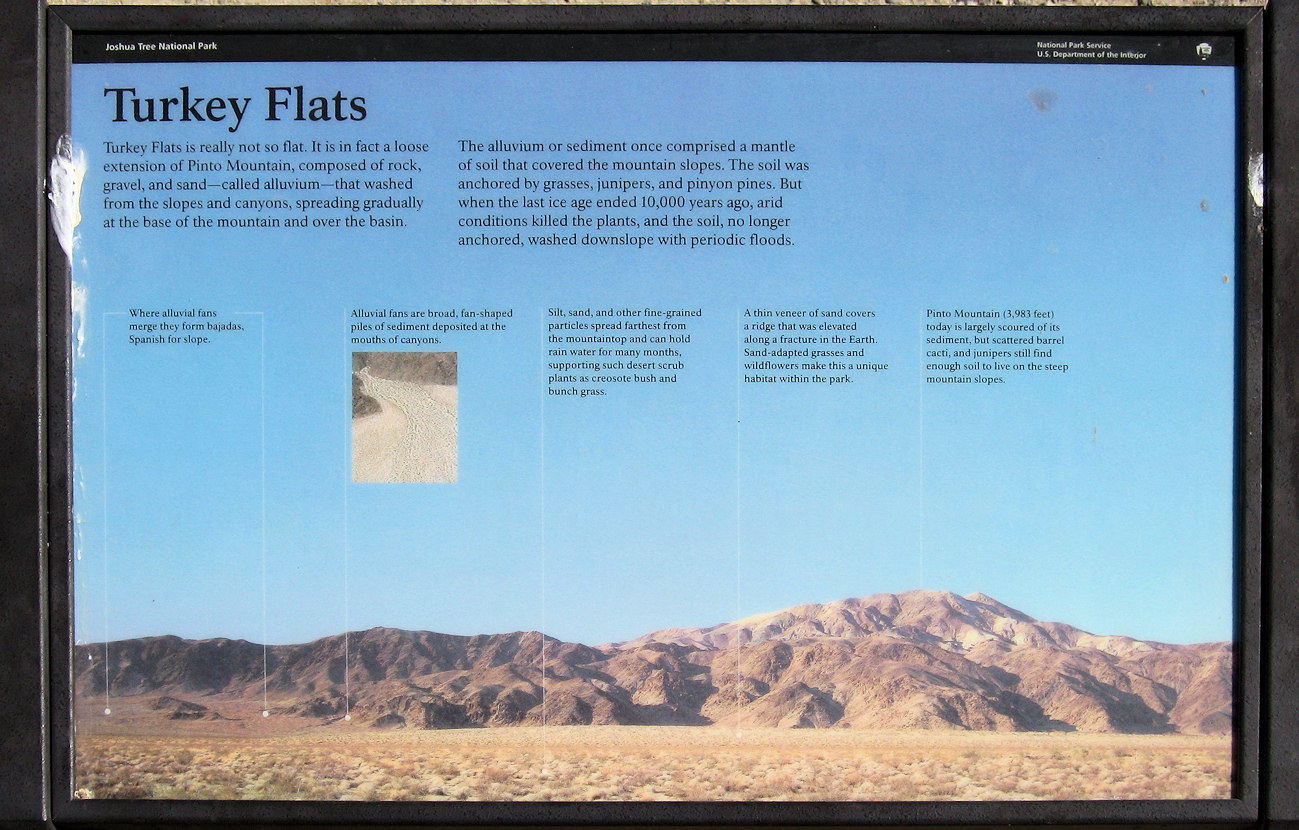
(921, 695)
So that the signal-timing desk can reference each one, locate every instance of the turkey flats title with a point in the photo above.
(282, 102)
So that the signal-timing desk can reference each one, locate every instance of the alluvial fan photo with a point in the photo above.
(404, 417)
(922, 695)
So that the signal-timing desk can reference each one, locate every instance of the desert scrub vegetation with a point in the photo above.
(586, 763)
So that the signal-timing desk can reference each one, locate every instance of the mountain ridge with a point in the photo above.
(917, 659)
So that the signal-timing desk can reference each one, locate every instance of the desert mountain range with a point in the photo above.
(914, 660)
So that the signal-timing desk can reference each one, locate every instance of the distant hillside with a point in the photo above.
(915, 660)
(415, 367)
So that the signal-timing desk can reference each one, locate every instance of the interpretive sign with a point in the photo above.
(765, 417)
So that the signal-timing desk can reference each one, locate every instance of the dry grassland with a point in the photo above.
(587, 763)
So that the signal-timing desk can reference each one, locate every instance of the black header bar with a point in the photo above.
(1070, 48)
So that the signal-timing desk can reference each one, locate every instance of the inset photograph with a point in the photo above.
(404, 417)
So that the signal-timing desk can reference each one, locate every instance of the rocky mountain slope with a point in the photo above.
(919, 659)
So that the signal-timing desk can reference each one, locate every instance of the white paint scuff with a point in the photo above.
(80, 300)
(67, 169)
(1255, 179)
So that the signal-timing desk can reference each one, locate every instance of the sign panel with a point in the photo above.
(452, 424)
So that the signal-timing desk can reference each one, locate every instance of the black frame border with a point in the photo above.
(24, 624)
(35, 728)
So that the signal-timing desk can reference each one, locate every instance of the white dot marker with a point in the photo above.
(107, 711)
(347, 717)
(266, 713)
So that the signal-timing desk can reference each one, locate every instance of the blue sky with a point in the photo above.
(213, 484)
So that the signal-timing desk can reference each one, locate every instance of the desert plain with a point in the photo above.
(649, 763)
